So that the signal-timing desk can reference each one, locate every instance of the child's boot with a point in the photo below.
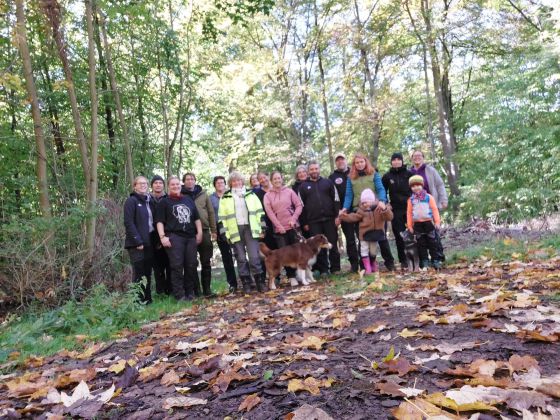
(367, 264)
(425, 264)
(437, 265)
(374, 266)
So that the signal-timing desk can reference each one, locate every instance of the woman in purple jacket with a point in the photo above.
(283, 207)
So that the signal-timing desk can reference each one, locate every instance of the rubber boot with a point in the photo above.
(246, 280)
(206, 275)
(260, 280)
(367, 264)
(374, 266)
(437, 264)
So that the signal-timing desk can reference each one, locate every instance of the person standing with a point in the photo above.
(162, 271)
(395, 182)
(242, 216)
(209, 231)
(180, 232)
(433, 185)
(339, 178)
(283, 207)
(363, 175)
(138, 224)
(227, 257)
(300, 177)
(321, 206)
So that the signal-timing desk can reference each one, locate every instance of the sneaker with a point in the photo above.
(293, 282)
(323, 275)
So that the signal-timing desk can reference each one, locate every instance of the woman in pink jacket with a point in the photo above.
(283, 207)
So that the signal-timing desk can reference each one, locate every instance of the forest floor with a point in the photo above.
(481, 336)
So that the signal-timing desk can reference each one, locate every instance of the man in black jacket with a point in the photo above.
(396, 184)
(321, 205)
(338, 178)
(162, 271)
(139, 223)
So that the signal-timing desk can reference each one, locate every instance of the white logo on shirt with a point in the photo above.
(183, 213)
(338, 181)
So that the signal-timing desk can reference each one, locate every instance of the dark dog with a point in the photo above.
(411, 250)
(300, 256)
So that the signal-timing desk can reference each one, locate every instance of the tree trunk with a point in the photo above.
(445, 127)
(52, 11)
(92, 190)
(116, 95)
(107, 105)
(42, 180)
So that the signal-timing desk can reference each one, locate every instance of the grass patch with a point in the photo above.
(507, 249)
(100, 316)
(343, 284)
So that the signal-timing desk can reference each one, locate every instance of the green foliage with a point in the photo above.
(98, 317)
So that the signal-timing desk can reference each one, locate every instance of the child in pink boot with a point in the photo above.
(372, 215)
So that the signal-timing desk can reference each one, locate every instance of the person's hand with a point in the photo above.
(281, 230)
(343, 211)
(306, 228)
(166, 242)
(293, 224)
(438, 226)
(411, 230)
(140, 247)
(199, 238)
(213, 236)
(337, 221)
(382, 205)
(261, 235)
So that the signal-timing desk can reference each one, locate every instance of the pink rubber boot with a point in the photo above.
(367, 264)
(374, 267)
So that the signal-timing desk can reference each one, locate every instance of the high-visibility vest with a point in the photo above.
(226, 214)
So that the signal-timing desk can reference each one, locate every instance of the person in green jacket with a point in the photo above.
(242, 218)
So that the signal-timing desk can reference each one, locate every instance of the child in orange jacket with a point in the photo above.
(422, 216)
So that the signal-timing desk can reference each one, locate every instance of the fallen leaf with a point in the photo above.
(170, 378)
(400, 366)
(419, 409)
(406, 333)
(312, 342)
(152, 372)
(458, 401)
(519, 363)
(182, 402)
(308, 412)
(310, 385)
(374, 328)
(249, 402)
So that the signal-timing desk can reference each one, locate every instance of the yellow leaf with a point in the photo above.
(312, 342)
(406, 333)
(310, 385)
(442, 401)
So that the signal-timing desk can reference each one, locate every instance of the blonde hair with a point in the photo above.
(235, 175)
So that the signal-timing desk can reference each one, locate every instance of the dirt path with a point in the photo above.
(486, 335)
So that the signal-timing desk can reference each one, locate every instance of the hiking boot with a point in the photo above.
(260, 281)
(437, 264)
(246, 280)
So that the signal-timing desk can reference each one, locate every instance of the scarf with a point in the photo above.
(174, 196)
(240, 192)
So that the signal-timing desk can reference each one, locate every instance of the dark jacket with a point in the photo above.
(396, 183)
(178, 215)
(339, 179)
(137, 220)
(320, 200)
(204, 207)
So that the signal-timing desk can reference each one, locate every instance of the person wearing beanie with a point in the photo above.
(372, 216)
(423, 219)
(162, 270)
(395, 182)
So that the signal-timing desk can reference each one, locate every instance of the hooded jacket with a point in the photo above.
(204, 207)
(320, 200)
(282, 207)
(137, 220)
(395, 182)
(435, 185)
(370, 220)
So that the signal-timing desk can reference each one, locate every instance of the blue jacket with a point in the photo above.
(379, 191)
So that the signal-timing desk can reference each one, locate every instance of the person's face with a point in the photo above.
(190, 182)
(141, 186)
(254, 181)
(174, 186)
(220, 186)
(340, 164)
(301, 175)
(263, 180)
(417, 159)
(360, 164)
(367, 204)
(314, 171)
(277, 180)
(157, 187)
(396, 163)
(416, 188)
(236, 183)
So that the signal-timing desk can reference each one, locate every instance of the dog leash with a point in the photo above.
(299, 235)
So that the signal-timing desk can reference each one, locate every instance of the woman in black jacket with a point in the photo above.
(139, 223)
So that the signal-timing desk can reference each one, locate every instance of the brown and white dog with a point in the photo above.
(300, 256)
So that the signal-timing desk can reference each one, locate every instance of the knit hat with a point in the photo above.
(416, 180)
(397, 155)
(367, 195)
(156, 178)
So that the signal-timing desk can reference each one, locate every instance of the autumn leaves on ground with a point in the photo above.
(477, 340)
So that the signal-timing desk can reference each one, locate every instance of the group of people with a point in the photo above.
(169, 232)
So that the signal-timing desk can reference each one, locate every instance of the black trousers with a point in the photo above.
(205, 251)
(182, 259)
(399, 225)
(384, 247)
(351, 245)
(427, 241)
(283, 239)
(227, 260)
(327, 228)
(142, 261)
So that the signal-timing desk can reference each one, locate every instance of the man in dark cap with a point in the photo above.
(162, 271)
(395, 182)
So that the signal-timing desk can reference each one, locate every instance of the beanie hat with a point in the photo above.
(156, 178)
(416, 180)
(367, 195)
(397, 155)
